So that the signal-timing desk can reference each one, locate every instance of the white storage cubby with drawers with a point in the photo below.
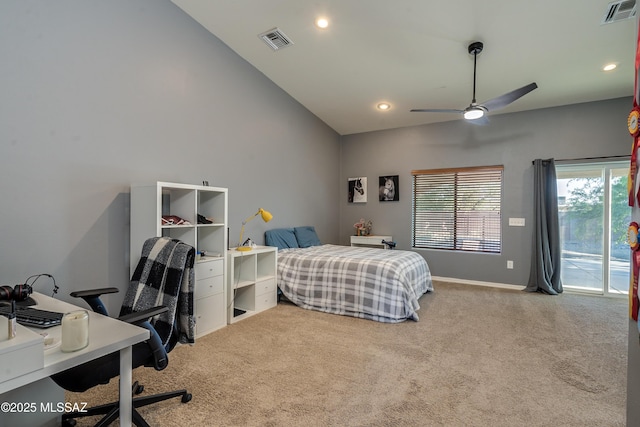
(150, 203)
(251, 282)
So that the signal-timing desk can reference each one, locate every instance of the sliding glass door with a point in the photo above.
(594, 215)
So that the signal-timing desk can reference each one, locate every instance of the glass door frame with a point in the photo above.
(606, 175)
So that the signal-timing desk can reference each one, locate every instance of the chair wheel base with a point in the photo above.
(186, 397)
(137, 388)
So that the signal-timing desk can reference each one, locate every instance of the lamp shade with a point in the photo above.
(266, 215)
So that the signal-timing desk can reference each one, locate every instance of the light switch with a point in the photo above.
(516, 222)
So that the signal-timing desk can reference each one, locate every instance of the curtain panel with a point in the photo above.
(546, 254)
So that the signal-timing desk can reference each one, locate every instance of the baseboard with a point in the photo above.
(521, 287)
(478, 283)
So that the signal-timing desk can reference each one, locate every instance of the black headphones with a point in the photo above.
(17, 293)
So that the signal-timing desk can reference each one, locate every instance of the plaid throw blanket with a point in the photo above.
(165, 276)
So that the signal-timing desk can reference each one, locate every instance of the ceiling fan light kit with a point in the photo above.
(475, 113)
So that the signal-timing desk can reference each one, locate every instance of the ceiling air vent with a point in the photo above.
(275, 39)
(619, 11)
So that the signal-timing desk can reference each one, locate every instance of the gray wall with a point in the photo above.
(513, 140)
(99, 95)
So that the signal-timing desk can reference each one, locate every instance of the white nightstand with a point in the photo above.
(370, 241)
(251, 282)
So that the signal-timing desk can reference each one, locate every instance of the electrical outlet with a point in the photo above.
(510, 265)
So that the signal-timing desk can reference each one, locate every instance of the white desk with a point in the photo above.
(370, 241)
(106, 335)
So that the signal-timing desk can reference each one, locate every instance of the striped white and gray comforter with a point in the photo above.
(375, 284)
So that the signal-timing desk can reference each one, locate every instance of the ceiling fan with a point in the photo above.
(477, 113)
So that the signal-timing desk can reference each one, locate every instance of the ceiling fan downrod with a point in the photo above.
(474, 49)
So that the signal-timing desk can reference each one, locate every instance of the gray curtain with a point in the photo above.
(545, 259)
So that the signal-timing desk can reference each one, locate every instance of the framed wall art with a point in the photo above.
(358, 190)
(388, 188)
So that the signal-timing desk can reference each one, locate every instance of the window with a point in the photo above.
(458, 209)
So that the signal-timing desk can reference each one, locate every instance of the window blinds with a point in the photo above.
(458, 209)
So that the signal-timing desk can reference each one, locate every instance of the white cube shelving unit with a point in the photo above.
(150, 202)
(252, 284)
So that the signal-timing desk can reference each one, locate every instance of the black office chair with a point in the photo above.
(164, 274)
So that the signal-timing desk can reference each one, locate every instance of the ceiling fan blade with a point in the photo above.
(435, 110)
(506, 99)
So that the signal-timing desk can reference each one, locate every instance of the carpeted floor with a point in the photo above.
(479, 356)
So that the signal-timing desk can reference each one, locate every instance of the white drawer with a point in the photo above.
(208, 268)
(209, 286)
(266, 286)
(266, 301)
(210, 314)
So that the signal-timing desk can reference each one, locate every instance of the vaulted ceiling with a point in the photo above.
(414, 53)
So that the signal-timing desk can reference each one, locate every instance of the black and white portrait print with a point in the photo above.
(388, 188)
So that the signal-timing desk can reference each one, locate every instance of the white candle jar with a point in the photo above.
(75, 331)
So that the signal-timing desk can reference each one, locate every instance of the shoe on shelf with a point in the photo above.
(203, 220)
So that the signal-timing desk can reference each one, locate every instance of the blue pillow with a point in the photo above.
(307, 236)
(282, 238)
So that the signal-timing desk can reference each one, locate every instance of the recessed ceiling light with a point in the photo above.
(322, 23)
(610, 67)
(384, 106)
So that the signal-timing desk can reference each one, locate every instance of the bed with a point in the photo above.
(376, 284)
